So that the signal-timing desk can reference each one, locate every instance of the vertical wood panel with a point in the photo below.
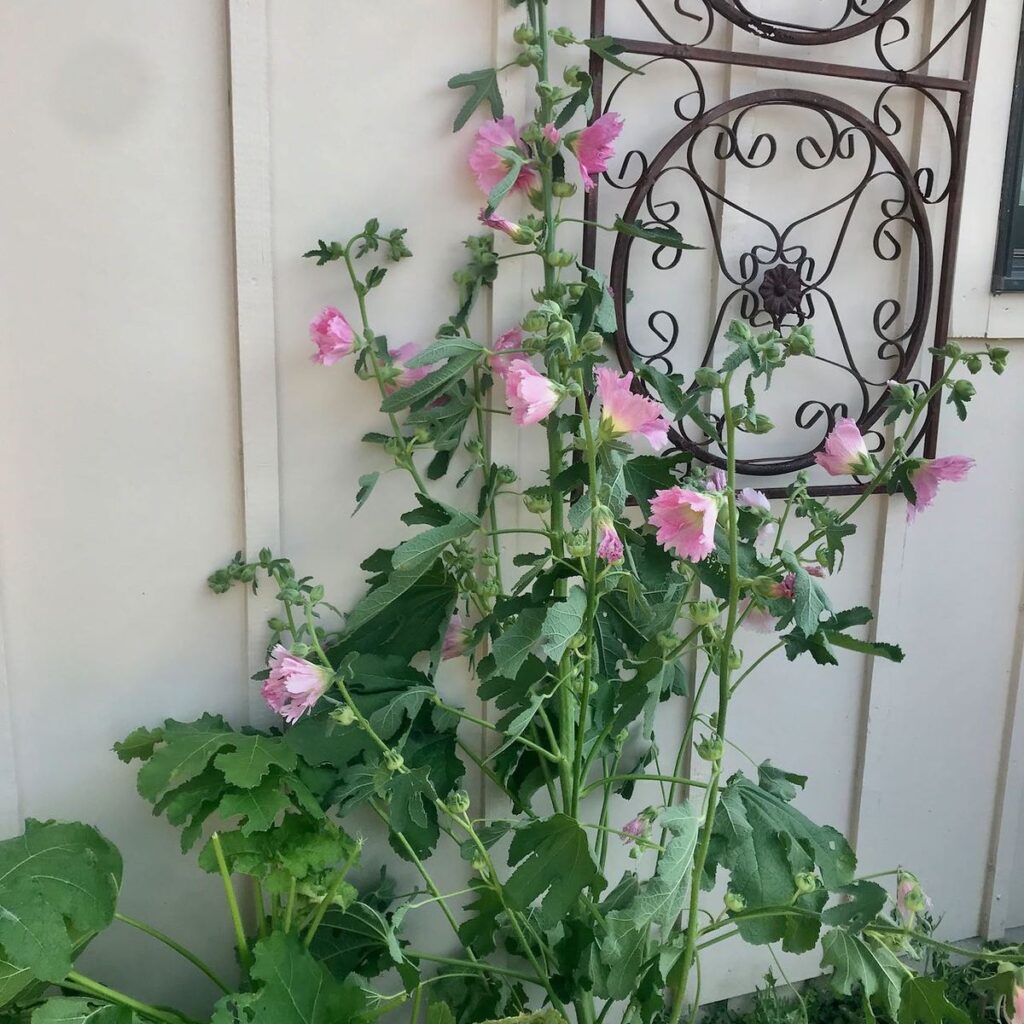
(10, 810)
(257, 357)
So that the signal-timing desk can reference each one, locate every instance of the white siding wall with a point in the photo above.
(145, 439)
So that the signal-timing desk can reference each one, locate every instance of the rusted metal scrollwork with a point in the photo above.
(870, 193)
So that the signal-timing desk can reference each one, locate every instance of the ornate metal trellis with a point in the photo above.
(855, 131)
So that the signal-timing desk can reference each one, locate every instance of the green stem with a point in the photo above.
(290, 908)
(176, 946)
(640, 777)
(724, 671)
(483, 723)
(416, 1001)
(946, 947)
(261, 910)
(244, 955)
(112, 995)
(328, 900)
(474, 965)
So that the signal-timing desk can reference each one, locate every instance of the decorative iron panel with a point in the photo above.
(832, 196)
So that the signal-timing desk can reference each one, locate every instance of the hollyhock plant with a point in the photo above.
(925, 479)
(489, 166)
(456, 639)
(333, 336)
(510, 341)
(846, 451)
(498, 223)
(530, 395)
(625, 412)
(609, 547)
(294, 684)
(685, 521)
(593, 146)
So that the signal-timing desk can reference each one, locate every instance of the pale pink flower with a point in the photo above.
(815, 570)
(625, 412)
(764, 542)
(530, 395)
(845, 452)
(610, 545)
(456, 638)
(333, 336)
(294, 684)
(753, 499)
(552, 134)
(686, 522)
(717, 479)
(759, 619)
(510, 341)
(593, 146)
(1018, 1006)
(503, 224)
(403, 375)
(638, 828)
(489, 166)
(927, 477)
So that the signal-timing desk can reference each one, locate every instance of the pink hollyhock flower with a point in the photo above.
(910, 897)
(1018, 1006)
(846, 451)
(625, 412)
(638, 828)
(593, 146)
(529, 394)
(510, 341)
(333, 336)
(456, 639)
(686, 522)
(764, 542)
(489, 166)
(753, 499)
(403, 375)
(930, 474)
(610, 544)
(759, 619)
(294, 684)
(718, 479)
(787, 588)
(511, 228)
(552, 134)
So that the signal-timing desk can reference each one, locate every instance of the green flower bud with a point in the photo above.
(704, 613)
(571, 75)
(489, 558)
(562, 36)
(974, 363)
(711, 748)
(667, 641)
(421, 435)
(479, 865)
(300, 650)
(277, 625)
(998, 357)
(577, 641)
(964, 390)
(576, 291)
(591, 342)
(535, 320)
(530, 57)
(805, 882)
(538, 500)
(952, 350)
(735, 658)
(560, 258)
(344, 716)
(507, 475)
(563, 189)
(266, 557)
(458, 803)
(524, 35)
(707, 378)
(578, 543)
(394, 446)
(393, 761)
(800, 341)
(734, 902)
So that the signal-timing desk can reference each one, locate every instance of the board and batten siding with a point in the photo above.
(164, 167)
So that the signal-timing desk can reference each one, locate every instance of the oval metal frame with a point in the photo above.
(801, 36)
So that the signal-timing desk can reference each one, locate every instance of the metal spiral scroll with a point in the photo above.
(877, 181)
(779, 285)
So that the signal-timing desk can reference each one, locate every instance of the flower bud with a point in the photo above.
(479, 865)
(998, 357)
(964, 390)
(704, 613)
(735, 658)
(524, 35)
(571, 76)
(707, 378)
(734, 902)
(805, 882)
(577, 641)
(591, 342)
(667, 641)
(711, 748)
(530, 57)
(506, 475)
(974, 363)
(563, 189)
(800, 341)
(560, 258)
(562, 36)
(489, 558)
(538, 500)
(578, 543)
(300, 650)
(393, 761)
(344, 716)
(458, 803)
(265, 556)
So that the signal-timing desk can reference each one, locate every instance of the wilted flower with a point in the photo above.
(846, 451)
(294, 684)
(510, 341)
(610, 544)
(686, 522)
(593, 146)
(787, 588)
(509, 227)
(625, 412)
(489, 166)
(638, 828)
(333, 336)
(530, 395)
(932, 472)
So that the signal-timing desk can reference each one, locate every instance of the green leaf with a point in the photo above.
(484, 84)
(292, 989)
(258, 808)
(516, 162)
(58, 885)
(252, 758)
(187, 749)
(357, 940)
(865, 903)
(562, 622)
(367, 482)
(923, 1001)
(440, 1013)
(138, 744)
(413, 812)
(80, 1011)
(425, 548)
(432, 384)
(659, 234)
(554, 865)
(608, 50)
(810, 602)
(444, 348)
(865, 964)
(891, 652)
(512, 648)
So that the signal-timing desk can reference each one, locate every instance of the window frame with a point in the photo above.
(1011, 210)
